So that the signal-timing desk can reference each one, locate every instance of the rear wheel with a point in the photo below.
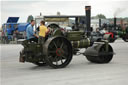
(58, 51)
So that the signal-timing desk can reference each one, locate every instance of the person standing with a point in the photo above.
(31, 36)
(42, 32)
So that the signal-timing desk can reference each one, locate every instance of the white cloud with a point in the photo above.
(24, 8)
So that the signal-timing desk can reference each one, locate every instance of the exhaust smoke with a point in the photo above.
(118, 11)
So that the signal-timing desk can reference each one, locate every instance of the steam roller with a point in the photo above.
(60, 46)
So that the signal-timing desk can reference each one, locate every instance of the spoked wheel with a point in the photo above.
(103, 56)
(58, 51)
(53, 26)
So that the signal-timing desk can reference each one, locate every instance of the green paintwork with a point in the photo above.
(57, 32)
(120, 33)
(84, 43)
(75, 35)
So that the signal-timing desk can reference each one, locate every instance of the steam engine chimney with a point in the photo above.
(115, 23)
(88, 19)
(99, 23)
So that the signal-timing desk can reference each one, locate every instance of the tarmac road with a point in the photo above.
(78, 72)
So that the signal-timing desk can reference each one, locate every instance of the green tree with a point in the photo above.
(101, 16)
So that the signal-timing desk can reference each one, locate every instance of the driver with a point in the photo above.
(42, 32)
(31, 36)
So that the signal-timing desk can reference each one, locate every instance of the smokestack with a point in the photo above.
(114, 23)
(88, 19)
(76, 22)
(100, 23)
(40, 14)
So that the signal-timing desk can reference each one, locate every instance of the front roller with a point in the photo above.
(58, 52)
(99, 53)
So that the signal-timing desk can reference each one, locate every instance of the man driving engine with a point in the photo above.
(31, 36)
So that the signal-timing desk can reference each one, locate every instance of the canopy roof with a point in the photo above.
(12, 19)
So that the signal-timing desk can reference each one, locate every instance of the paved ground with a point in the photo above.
(79, 72)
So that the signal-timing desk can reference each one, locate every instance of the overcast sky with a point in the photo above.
(22, 9)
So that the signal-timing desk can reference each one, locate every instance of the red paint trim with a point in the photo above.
(57, 52)
(112, 35)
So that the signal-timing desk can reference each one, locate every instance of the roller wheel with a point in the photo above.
(58, 51)
(104, 57)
